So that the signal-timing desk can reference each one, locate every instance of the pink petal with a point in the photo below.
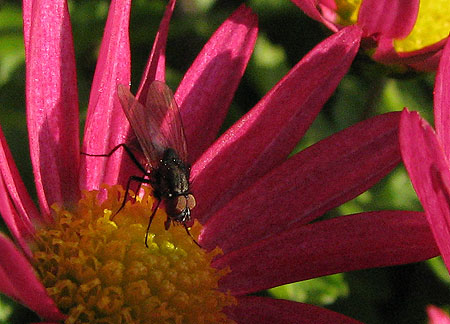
(425, 59)
(19, 226)
(385, 51)
(391, 18)
(261, 310)
(426, 63)
(442, 101)
(264, 137)
(206, 91)
(322, 177)
(437, 316)
(17, 279)
(156, 65)
(340, 244)
(27, 8)
(16, 191)
(429, 171)
(106, 124)
(52, 104)
(310, 7)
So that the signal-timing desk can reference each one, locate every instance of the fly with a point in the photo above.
(158, 127)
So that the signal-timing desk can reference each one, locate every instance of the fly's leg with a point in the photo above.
(129, 152)
(189, 233)
(155, 208)
(141, 180)
(169, 221)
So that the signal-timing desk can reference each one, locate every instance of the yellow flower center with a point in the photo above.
(432, 25)
(99, 270)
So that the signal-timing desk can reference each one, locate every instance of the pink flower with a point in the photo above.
(405, 32)
(254, 202)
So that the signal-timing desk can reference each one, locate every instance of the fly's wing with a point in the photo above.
(165, 115)
(143, 125)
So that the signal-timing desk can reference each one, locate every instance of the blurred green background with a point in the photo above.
(387, 295)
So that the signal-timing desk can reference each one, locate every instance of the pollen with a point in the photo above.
(97, 269)
(432, 25)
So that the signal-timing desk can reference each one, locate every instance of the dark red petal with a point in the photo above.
(261, 310)
(390, 18)
(206, 91)
(322, 177)
(263, 138)
(52, 104)
(429, 171)
(18, 280)
(442, 101)
(106, 124)
(340, 244)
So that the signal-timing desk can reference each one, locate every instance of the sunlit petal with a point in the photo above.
(106, 124)
(340, 244)
(264, 137)
(52, 104)
(206, 91)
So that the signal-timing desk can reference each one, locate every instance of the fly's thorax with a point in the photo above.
(171, 178)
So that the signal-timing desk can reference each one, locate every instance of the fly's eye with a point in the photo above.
(191, 203)
(179, 204)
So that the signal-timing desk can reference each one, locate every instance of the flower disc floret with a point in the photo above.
(98, 269)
